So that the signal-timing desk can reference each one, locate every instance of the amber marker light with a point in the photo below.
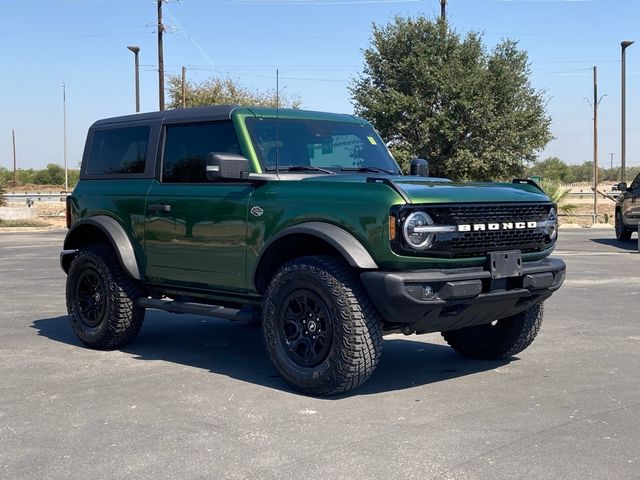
(392, 227)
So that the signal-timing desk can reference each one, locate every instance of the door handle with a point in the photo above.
(159, 208)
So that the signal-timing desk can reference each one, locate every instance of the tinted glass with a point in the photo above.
(187, 146)
(318, 143)
(118, 151)
(636, 183)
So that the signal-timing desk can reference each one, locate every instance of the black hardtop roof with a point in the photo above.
(217, 112)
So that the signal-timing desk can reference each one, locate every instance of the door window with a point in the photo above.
(118, 151)
(187, 146)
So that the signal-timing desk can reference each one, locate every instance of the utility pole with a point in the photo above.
(15, 175)
(184, 87)
(611, 167)
(443, 9)
(160, 57)
(596, 101)
(623, 154)
(64, 134)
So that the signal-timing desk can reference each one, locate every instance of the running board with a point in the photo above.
(197, 309)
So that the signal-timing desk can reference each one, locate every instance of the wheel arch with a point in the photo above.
(309, 238)
(101, 229)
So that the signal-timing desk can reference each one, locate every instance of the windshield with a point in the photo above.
(319, 145)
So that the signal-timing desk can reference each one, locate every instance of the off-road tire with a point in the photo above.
(101, 299)
(622, 233)
(507, 337)
(355, 327)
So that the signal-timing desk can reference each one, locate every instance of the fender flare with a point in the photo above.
(116, 235)
(349, 247)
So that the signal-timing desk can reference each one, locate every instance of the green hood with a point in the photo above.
(440, 190)
(424, 191)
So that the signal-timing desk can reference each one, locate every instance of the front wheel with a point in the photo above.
(101, 299)
(507, 337)
(320, 328)
(621, 229)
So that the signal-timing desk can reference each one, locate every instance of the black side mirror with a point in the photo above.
(419, 167)
(622, 187)
(227, 166)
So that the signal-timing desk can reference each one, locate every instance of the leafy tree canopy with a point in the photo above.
(225, 91)
(472, 113)
(552, 168)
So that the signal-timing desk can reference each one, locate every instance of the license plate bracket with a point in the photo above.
(505, 264)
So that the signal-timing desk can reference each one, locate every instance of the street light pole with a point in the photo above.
(136, 51)
(623, 152)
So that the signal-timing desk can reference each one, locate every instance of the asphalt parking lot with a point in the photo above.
(195, 397)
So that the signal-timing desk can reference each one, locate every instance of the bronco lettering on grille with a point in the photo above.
(481, 227)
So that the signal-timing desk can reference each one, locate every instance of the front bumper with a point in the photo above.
(448, 299)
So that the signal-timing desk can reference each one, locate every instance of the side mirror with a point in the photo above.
(622, 187)
(419, 167)
(227, 166)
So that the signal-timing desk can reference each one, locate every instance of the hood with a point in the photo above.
(425, 191)
(440, 190)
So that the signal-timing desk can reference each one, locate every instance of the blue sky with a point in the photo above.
(315, 44)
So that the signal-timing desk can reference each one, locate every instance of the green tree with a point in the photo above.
(471, 113)
(225, 91)
(3, 190)
(52, 175)
(551, 168)
(584, 172)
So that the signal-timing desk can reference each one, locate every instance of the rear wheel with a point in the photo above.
(320, 328)
(621, 229)
(101, 299)
(502, 339)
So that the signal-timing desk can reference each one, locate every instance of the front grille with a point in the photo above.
(479, 243)
(466, 214)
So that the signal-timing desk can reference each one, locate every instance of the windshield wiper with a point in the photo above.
(299, 168)
(369, 169)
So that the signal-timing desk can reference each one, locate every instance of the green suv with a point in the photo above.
(301, 221)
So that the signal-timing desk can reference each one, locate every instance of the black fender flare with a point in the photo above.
(116, 235)
(349, 247)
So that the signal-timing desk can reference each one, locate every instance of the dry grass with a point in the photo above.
(24, 223)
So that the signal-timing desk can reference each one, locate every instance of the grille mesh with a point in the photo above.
(465, 244)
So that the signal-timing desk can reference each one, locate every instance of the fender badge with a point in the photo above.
(257, 211)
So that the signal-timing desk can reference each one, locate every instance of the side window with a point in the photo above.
(187, 146)
(635, 186)
(118, 151)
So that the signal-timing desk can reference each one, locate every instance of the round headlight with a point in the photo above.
(552, 228)
(412, 234)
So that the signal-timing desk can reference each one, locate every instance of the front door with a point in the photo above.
(195, 231)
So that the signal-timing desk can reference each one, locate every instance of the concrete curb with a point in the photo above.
(29, 229)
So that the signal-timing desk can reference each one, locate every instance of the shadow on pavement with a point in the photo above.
(235, 349)
(629, 245)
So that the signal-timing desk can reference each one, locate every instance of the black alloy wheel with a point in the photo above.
(91, 295)
(306, 328)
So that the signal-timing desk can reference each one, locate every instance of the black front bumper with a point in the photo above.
(439, 300)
